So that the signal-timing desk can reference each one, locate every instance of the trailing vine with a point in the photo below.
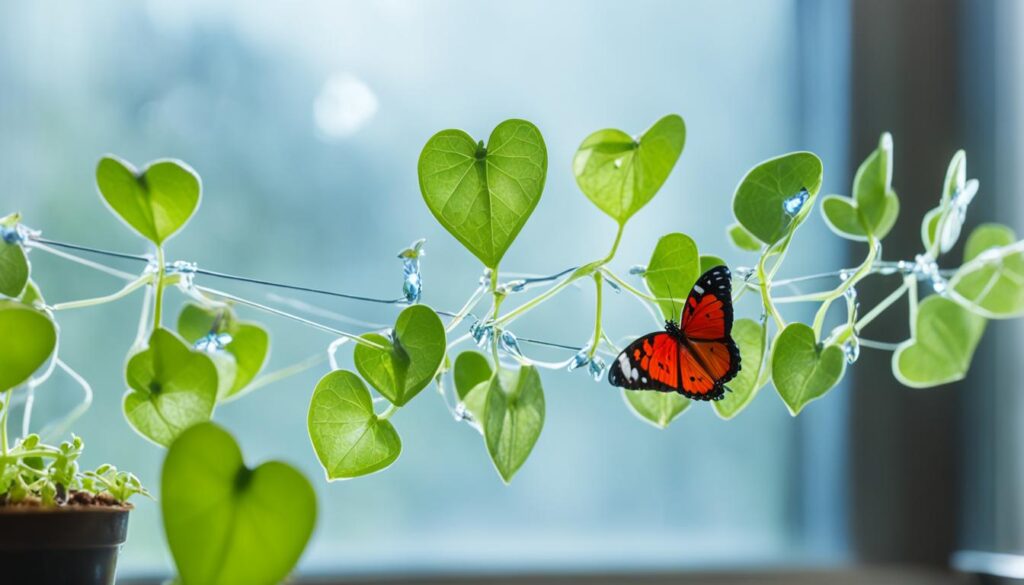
(483, 194)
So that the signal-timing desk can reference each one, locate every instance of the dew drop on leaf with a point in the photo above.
(794, 203)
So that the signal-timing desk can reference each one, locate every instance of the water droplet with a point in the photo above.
(618, 163)
(514, 286)
(597, 368)
(481, 333)
(412, 284)
(845, 274)
(509, 344)
(485, 278)
(794, 203)
(461, 413)
(851, 349)
(638, 270)
(212, 342)
(851, 294)
(744, 272)
(579, 360)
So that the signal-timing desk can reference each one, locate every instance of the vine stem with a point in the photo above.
(390, 410)
(885, 304)
(158, 303)
(863, 270)
(598, 281)
(3, 420)
(125, 291)
(281, 374)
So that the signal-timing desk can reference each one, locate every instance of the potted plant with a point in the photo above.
(58, 524)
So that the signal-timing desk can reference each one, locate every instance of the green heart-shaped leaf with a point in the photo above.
(986, 237)
(513, 418)
(749, 337)
(802, 370)
(408, 363)
(27, 339)
(247, 343)
(874, 207)
(348, 437)
(229, 524)
(943, 344)
(671, 272)
(620, 174)
(743, 239)
(172, 387)
(956, 180)
(157, 201)
(992, 284)
(483, 196)
(770, 202)
(656, 408)
(13, 269)
(471, 369)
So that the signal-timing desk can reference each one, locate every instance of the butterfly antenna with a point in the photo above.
(672, 299)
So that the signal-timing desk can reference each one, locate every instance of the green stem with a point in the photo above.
(863, 270)
(598, 281)
(390, 410)
(554, 290)
(615, 245)
(158, 304)
(530, 304)
(766, 297)
(628, 287)
(281, 374)
(882, 306)
(125, 291)
(3, 420)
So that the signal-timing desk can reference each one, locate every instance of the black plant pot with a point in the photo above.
(61, 546)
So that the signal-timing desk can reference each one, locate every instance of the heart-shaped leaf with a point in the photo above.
(802, 370)
(408, 363)
(656, 408)
(743, 239)
(171, 387)
(471, 369)
(157, 201)
(776, 195)
(992, 284)
(13, 269)
(27, 339)
(349, 438)
(986, 237)
(943, 344)
(749, 337)
(874, 207)
(671, 272)
(219, 331)
(620, 174)
(483, 196)
(955, 181)
(229, 524)
(513, 418)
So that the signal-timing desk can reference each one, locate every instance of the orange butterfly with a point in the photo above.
(695, 358)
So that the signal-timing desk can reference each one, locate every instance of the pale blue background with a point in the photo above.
(230, 88)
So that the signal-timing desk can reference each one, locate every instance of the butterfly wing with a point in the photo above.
(649, 363)
(706, 328)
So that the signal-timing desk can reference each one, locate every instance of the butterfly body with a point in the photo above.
(695, 358)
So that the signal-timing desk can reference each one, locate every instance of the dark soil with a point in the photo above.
(74, 499)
